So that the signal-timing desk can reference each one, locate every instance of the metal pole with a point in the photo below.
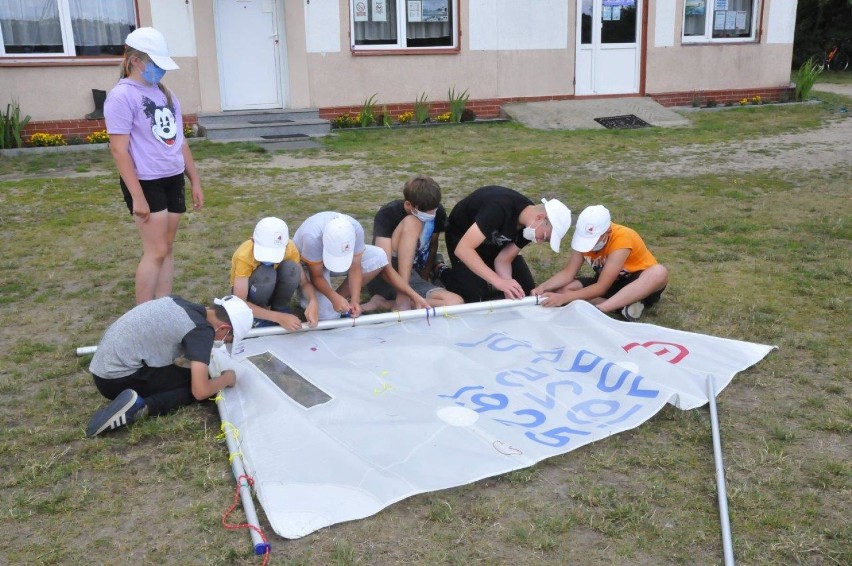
(727, 543)
(395, 316)
(260, 547)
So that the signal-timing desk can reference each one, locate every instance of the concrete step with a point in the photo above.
(233, 132)
(257, 116)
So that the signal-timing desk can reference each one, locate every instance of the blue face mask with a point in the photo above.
(152, 73)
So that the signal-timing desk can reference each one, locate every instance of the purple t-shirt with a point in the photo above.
(156, 131)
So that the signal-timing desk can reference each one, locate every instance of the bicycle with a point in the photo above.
(835, 58)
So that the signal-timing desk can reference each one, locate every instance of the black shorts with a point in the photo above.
(620, 283)
(167, 193)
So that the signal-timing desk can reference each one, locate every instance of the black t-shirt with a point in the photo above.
(495, 210)
(390, 215)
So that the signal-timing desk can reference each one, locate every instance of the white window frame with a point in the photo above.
(68, 47)
(401, 38)
(708, 26)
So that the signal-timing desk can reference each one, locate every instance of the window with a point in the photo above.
(403, 24)
(719, 20)
(65, 27)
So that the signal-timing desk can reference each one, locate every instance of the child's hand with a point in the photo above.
(550, 299)
(312, 314)
(229, 378)
(355, 309)
(288, 321)
(340, 304)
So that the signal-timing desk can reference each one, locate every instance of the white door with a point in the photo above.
(251, 54)
(608, 47)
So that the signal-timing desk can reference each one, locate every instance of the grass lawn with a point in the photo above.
(754, 253)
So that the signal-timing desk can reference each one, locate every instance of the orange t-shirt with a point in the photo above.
(620, 238)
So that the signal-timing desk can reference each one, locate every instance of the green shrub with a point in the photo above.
(805, 78)
(421, 109)
(12, 126)
(367, 115)
(457, 104)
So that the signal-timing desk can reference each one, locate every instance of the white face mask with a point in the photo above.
(529, 232)
(600, 245)
(423, 216)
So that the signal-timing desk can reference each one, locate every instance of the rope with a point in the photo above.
(236, 526)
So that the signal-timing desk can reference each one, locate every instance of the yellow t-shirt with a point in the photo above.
(243, 263)
(622, 237)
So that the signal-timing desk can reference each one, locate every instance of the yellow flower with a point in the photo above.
(98, 137)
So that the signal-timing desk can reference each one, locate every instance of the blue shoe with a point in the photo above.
(127, 407)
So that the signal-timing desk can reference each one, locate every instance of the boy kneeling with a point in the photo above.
(627, 276)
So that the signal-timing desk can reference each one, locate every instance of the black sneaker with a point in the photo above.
(632, 312)
(127, 407)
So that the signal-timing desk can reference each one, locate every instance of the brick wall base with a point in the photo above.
(722, 97)
(77, 128)
(484, 108)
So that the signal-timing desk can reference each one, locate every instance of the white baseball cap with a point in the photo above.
(338, 244)
(270, 240)
(591, 223)
(559, 217)
(153, 44)
(241, 319)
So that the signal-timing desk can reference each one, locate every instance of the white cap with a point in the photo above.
(270, 240)
(591, 223)
(152, 43)
(338, 244)
(559, 217)
(241, 319)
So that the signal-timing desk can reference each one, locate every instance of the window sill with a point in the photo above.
(11, 61)
(714, 42)
(420, 51)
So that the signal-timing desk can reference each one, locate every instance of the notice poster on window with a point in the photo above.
(616, 13)
(741, 20)
(415, 11)
(730, 20)
(695, 7)
(361, 14)
(719, 21)
(380, 11)
(721, 5)
(436, 10)
(607, 13)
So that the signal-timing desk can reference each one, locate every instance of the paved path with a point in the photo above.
(580, 114)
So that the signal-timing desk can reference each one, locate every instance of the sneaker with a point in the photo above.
(632, 312)
(126, 408)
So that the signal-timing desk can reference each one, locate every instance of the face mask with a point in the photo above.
(529, 232)
(423, 216)
(600, 245)
(152, 73)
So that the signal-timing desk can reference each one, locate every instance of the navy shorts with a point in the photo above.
(167, 193)
(622, 282)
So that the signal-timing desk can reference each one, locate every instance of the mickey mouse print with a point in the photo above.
(163, 122)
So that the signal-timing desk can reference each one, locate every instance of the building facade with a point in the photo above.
(335, 54)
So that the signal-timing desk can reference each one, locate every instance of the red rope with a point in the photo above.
(233, 527)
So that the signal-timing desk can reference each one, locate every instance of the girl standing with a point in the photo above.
(145, 128)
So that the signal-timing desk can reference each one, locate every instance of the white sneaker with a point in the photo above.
(632, 312)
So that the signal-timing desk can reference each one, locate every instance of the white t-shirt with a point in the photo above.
(308, 238)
